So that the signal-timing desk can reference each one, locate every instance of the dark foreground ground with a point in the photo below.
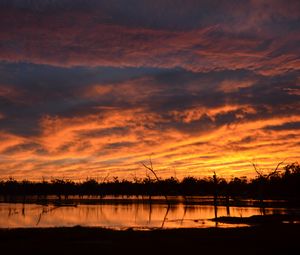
(268, 239)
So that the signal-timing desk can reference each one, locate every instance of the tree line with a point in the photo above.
(278, 184)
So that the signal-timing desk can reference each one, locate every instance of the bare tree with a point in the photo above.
(264, 178)
(215, 181)
(151, 169)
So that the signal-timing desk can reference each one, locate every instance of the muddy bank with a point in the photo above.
(260, 219)
(267, 239)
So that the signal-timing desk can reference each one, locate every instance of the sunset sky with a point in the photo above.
(91, 88)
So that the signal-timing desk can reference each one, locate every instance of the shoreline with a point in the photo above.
(261, 239)
(172, 200)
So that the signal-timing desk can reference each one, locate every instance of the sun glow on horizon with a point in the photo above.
(97, 88)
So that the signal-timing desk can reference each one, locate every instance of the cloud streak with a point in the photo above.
(98, 37)
(90, 88)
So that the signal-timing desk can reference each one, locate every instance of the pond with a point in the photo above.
(123, 213)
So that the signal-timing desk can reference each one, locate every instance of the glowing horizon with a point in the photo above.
(90, 89)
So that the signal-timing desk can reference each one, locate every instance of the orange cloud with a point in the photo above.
(117, 142)
(198, 85)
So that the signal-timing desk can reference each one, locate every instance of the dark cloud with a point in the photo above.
(104, 132)
(25, 147)
(285, 126)
(119, 145)
(45, 90)
(195, 35)
(53, 91)
(165, 13)
(80, 80)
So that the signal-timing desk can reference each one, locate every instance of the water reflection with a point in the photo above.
(122, 215)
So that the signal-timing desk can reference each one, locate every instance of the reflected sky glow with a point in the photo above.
(121, 216)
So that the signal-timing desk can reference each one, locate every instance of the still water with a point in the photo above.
(120, 215)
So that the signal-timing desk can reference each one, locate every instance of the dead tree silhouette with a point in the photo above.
(216, 182)
(263, 180)
(151, 169)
